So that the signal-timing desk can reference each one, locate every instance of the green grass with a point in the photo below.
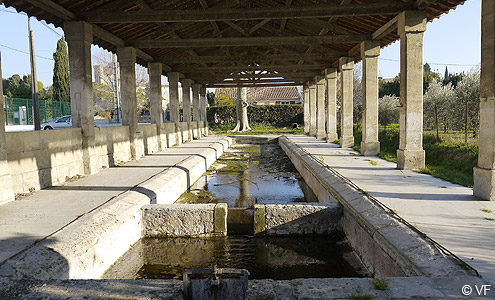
(449, 159)
(256, 129)
(380, 284)
(488, 211)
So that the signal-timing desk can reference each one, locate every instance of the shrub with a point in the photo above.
(273, 115)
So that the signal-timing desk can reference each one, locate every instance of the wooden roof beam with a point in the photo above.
(222, 85)
(247, 14)
(251, 58)
(249, 41)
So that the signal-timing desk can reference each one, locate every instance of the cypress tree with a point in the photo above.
(61, 72)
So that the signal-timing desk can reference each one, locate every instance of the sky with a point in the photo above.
(453, 40)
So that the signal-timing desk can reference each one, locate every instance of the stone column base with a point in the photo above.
(370, 148)
(332, 137)
(312, 131)
(91, 161)
(410, 159)
(346, 141)
(484, 183)
(320, 134)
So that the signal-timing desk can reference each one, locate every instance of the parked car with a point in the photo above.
(58, 123)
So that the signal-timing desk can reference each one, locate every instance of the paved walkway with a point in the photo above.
(44, 212)
(447, 212)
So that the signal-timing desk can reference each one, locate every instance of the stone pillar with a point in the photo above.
(411, 27)
(186, 99)
(312, 108)
(6, 191)
(320, 107)
(346, 66)
(331, 101)
(79, 37)
(195, 91)
(370, 50)
(484, 174)
(306, 108)
(155, 71)
(126, 57)
(202, 109)
(173, 82)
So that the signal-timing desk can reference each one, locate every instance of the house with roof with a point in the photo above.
(279, 95)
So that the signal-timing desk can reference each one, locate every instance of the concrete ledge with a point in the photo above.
(298, 219)
(180, 220)
(296, 289)
(85, 248)
(166, 187)
(385, 245)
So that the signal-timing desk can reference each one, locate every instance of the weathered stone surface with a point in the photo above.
(259, 218)
(303, 219)
(220, 218)
(160, 220)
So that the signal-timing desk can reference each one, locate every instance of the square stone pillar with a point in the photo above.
(173, 91)
(320, 107)
(186, 99)
(346, 66)
(312, 108)
(155, 71)
(484, 174)
(411, 27)
(195, 95)
(126, 57)
(6, 191)
(370, 50)
(202, 109)
(306, 108)
(331, 101)
(79, 37)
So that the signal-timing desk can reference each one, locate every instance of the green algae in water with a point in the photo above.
(247, 174)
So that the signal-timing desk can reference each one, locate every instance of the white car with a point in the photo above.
(61, 122)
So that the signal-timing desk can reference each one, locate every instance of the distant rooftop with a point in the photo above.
(264, 93)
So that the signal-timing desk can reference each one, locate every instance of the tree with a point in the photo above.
(222, 97)
(388, 110)
(438, 102)
(429, 76)
(61, 88)
(241, 104)
(467, 102)
(210, 96)
(357, 86)
(389, 88)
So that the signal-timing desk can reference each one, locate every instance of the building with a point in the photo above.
(279, 95)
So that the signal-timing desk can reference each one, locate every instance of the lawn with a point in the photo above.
(256, 129)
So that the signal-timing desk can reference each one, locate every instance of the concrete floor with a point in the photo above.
(448, 213)
(44, 212)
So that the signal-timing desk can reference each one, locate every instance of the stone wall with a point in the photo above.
(298, 219)
(38, 159)
(150, 138)
(385, 245)
(112, 145)
(184, 220)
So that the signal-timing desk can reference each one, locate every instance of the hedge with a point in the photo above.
(274, 115)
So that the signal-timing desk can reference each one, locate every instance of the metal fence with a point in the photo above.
(19, 111)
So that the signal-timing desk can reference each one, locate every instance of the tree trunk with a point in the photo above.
(436, 121)
(466, 124)
(241, 104)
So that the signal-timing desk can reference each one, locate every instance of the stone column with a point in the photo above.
(346, 66)
(331, 101)
(186, 99)
(411, 27)
(306, 108)
(312, 108)
(6, 191)
(370, 50)
(126, 57)
(196, 117)
(195, 91)
(320, 107)
(79, 37)
(155, 71)
(484, 174)
(173, 82)
(202, 109)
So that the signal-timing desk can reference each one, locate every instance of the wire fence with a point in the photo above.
(19, 111)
